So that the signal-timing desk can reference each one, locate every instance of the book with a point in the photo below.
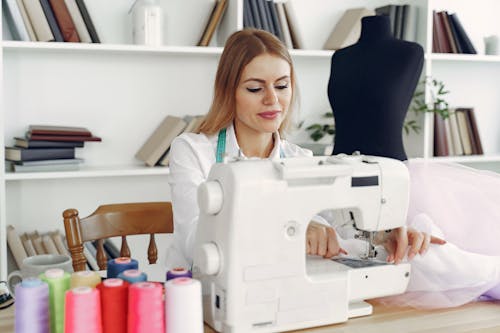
(15, 245)
(275, 20)
(454, 35)
(410, 20)
(264, 16)
(213, 22)
(15, 20)
(280, 8)
(440, 142)
(59, 243)
(49, 245)
(36, 154)
(455, 135)
(443, 42)
(463, 124)
(48, 167)
(159, 141)
(91, 258)
(475, 130)
(39, 21)
(64, 21)
(193, 123)
(80, 26)
(58, 130)
(26, 20)
(62, 137)
(37, 242)
(348, 29)
(448, 32)
(27, 143)
(88, 21)
(248, 21)
(295, 32)
(449, 140)
(388, 10)
(255, 14)
(50, 162)
(462, 36)
(51, 20)
(398, 28)
(110, 248)
(28, 245)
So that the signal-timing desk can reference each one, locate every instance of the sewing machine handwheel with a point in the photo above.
(210, 197)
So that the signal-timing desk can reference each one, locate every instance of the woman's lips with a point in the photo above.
(269, 114)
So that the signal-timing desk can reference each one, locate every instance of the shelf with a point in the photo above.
(462, 57)
(110, 48)
(91, 172)
(466, 159)
(120, 48)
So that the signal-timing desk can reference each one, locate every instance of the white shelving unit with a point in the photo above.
(122, 91)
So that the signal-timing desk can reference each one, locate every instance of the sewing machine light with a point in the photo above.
(210, 197)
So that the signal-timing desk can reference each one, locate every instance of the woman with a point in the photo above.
(252, 109)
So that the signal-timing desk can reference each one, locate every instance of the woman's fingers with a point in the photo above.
(416, 241)
(425, 244)
(401, 244)
(322, 240)
(437, 240)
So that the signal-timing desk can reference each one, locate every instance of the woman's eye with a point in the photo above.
(281, 86)
(254, 90)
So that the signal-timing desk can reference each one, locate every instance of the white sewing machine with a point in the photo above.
(250, 251)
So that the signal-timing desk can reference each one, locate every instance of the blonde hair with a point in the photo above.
(240, 49)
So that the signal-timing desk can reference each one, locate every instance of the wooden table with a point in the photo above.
(481, 317)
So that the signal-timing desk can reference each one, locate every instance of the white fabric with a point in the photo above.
(191, 157)
(461, 205)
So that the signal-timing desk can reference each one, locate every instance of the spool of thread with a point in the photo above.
(183, 306)
(133, 276)
(178, 272)
(118, 265)
(83, 311)
(32, 307)
(146, 311)
(114, 305)
(58, 281)
(85, 279)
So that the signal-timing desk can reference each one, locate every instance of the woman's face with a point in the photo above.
(263, 94)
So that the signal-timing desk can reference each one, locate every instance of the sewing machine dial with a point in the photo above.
(210, 197)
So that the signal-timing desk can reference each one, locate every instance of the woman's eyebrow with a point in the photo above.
(264, 81)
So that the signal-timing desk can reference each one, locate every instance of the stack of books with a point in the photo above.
(403, 20)
(48, 148)
(277, 17)
(155, 151)
(53, 242)
(457, 134)
(49, 21)
(449, 36)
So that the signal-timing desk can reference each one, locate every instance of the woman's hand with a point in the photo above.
(398, 240)
(322, 240)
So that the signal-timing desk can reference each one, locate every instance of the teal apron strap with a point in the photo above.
(221, 146)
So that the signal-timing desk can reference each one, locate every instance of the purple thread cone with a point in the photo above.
(32, 307)
(178, 272)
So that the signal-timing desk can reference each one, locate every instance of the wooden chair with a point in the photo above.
(116, 220)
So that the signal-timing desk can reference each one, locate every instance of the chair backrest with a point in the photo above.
(112, 221)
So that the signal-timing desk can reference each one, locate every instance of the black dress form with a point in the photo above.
(371, 86)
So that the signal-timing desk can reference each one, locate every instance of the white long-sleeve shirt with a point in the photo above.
(191, 157)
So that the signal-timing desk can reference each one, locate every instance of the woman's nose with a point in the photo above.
(270, 97)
